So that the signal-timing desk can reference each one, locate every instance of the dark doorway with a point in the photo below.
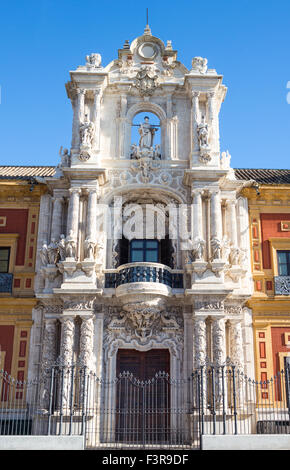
(143, 396)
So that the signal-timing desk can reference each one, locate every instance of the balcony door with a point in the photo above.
(143, 398)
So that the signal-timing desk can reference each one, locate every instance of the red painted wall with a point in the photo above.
(278, 345)
(271, 227)
(6, 344)
(16, 222)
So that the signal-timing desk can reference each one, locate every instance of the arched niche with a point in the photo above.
(144, 107)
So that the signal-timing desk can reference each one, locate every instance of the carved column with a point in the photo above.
(236, 344)
(216, 222)
(219, 358)
(219, 340)
(197, 213)
(56, 217)
(87, 341)
(80, 106)
(211, 116)
(96, 117)
(199, 341)
(233, 222)
(49, 342)
(67, 340)
(66, 360)
(48, 358)
(200, 353)
(122, 127)
(73, 212)
(91, 214)
(195, 119)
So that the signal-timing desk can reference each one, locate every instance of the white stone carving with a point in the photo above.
(93, 61)
(199, 65)
(146, 81)
(203, 139)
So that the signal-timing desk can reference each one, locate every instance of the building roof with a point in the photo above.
(260, 175)
(25, 172)
(263, 176)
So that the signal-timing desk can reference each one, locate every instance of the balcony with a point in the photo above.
(282, 285)
(158, 277)
(6, 283)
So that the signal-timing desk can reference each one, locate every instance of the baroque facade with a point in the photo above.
(103, 290)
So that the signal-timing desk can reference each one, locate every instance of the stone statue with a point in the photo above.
(43, 253)
(235, 256)
(199, 65)
(65, 157)
(94, 60)
(87, 129)
(147, 133)
(225, 248)
(70, 246)
(215, 248)
(197, 250)
(202, 130)
(52, 252)
(61, 248)
(89, 246)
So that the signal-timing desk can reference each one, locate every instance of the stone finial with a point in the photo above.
(147, 30)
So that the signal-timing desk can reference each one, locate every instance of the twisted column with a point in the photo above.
(48, 358)
(236, 344)
(199, 341)
(87, 341)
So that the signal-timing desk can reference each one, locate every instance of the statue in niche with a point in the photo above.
(87, 129)
(89, 246)
(216, 246)
(147, 133)
(70, 245)
(43, 253)
(61, 247)
(52, 252)
(145, 148)
(202, 130)
(203, 139)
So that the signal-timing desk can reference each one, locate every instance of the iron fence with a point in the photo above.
(157, 413)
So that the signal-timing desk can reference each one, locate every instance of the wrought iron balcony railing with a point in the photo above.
(6, 283)
(282, 285)
(144, 272)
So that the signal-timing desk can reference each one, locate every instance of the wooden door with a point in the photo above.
(143, 401)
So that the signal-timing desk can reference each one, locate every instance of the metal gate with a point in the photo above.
(156, 413)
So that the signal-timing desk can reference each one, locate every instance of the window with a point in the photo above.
(283, 263)
(4, 260)
(144, 250)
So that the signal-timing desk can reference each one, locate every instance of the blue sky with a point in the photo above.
(246, 41)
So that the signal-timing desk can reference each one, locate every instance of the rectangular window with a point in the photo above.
(283, 262)
(144, 251)
(4, 260)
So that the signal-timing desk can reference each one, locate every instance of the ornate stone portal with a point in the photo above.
(95, 299)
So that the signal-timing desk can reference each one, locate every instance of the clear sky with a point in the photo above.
(247, 41)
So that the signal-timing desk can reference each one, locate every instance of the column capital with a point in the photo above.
(210, 94)
(195, 94)
(75, 190)
(81, 91)
(197, 191)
